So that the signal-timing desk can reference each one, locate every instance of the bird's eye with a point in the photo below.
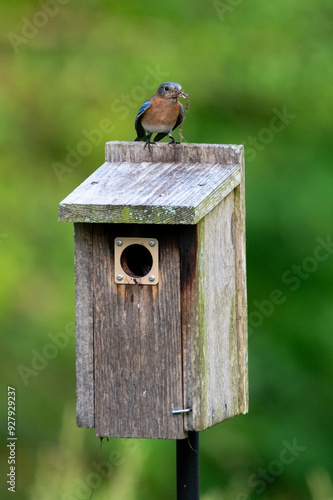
(166, 88)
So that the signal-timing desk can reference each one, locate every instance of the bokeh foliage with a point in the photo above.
(243, 63)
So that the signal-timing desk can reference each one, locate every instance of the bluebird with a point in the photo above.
(161, 114)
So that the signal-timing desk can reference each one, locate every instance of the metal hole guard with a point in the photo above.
(136, 261)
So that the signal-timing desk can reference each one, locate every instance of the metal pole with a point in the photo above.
(188, 467)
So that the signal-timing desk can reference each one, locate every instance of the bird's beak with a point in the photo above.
(182, 94)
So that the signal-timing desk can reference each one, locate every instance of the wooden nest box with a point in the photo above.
(160, 288)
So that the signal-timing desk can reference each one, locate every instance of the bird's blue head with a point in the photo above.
(171, 90)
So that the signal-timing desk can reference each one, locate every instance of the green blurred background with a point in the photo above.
(259, 74)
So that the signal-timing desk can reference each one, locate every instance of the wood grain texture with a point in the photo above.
(239, 240)
(137, 341)
(167, 187)
(85, 410)
(214, 316)
(125, 151)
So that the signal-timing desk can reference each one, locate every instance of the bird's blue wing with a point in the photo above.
(143, 108)
(180, 118)
(138, 127)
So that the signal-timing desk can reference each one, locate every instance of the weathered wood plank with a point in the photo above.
(137, 339)
(214, 317)
(85, 411)
(143, 183)
(155, 193)
(239, 238)
(122, 151)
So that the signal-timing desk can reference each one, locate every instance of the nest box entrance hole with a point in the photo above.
(136, 261)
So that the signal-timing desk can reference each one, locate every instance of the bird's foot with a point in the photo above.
(148, 143)
(173, 141)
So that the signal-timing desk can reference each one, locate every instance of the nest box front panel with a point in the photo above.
(137, 334)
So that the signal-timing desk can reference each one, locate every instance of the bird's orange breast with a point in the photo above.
(162, 114)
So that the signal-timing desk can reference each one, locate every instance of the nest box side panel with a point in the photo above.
(215, 316)
(137, 340)
(85, 411)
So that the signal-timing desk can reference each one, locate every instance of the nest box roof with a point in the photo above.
(175, 184)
